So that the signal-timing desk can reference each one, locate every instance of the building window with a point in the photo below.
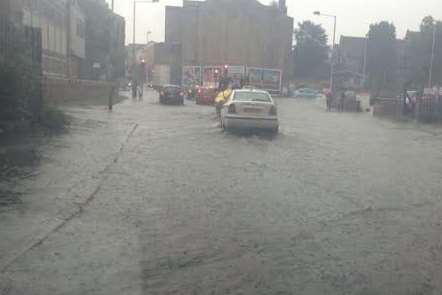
(81, 30)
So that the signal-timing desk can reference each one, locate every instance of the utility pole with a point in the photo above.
(68, 38)
(332, 62)
(433, 48)
(365, 60)
(332, 67)
(134, 58)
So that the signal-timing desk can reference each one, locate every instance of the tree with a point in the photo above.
(419, 50)
(20, 70)
(382, 56)
(311, 50)
(274, 4)
(431, 29)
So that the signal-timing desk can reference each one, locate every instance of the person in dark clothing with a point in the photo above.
(342, 101)
(329, 100)
(134, 88)
(406, 101)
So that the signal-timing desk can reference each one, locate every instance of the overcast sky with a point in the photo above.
(354, 16)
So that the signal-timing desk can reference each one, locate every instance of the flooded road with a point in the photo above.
(153, 199)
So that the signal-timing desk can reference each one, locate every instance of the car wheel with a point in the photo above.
(275, 130)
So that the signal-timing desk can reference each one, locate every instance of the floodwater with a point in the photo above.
(156, 199)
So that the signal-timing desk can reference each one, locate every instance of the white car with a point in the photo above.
(250, 109)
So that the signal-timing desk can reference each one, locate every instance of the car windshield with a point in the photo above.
(221, 147)
(251, 96)
(171, 89)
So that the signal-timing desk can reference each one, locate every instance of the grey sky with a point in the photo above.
(353, 15)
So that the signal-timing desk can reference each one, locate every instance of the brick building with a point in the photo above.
(61, 24)
(104, 42)
(350, 63)
(164, 55)
(234, 32)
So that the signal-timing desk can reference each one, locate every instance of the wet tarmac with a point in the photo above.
(154, 199)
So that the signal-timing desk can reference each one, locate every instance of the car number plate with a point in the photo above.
(251, 110)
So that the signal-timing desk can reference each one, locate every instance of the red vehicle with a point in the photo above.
(206, 96)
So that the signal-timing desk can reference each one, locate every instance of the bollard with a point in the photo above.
(110, 103)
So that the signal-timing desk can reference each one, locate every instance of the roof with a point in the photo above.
(171, 85)
(251, 90)
(237, 3)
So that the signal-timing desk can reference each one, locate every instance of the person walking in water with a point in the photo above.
(329, 99)
(134, 86)
(137, 81)
(342, 101)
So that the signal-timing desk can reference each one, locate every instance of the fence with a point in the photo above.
(58, 90)
(388, 107)
(429, 109)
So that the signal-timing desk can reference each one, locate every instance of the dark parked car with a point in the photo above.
(306, 93)
(206, 95)
(171, 94)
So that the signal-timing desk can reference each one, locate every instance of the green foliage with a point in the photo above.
(54, 119)
(382, 56)
(20, 74)
(102, 43)
(15, 83)
(419, 52)
(311, 50)
(430, 28)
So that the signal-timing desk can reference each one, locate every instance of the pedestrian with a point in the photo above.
(134, 85)
(342, 101)
(140, 91)
(329, 99)
(220, 100)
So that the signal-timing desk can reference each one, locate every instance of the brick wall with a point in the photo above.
(242, 32)
(57, 90)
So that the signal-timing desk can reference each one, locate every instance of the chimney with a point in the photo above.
(282, 6)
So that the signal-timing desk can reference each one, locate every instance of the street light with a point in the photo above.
(332, 66)
(134, 25)
(433, 48)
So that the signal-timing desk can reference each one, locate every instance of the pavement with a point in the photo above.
(153, 199)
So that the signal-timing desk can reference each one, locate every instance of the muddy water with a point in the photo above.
(335, 204)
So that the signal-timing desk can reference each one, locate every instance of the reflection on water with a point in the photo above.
(17, 162)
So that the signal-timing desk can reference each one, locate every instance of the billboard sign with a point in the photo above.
(211, 75)
(236, 74)
(192, 75)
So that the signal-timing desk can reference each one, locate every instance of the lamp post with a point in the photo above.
(134, 60)
(365, 60)
(332, 66)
